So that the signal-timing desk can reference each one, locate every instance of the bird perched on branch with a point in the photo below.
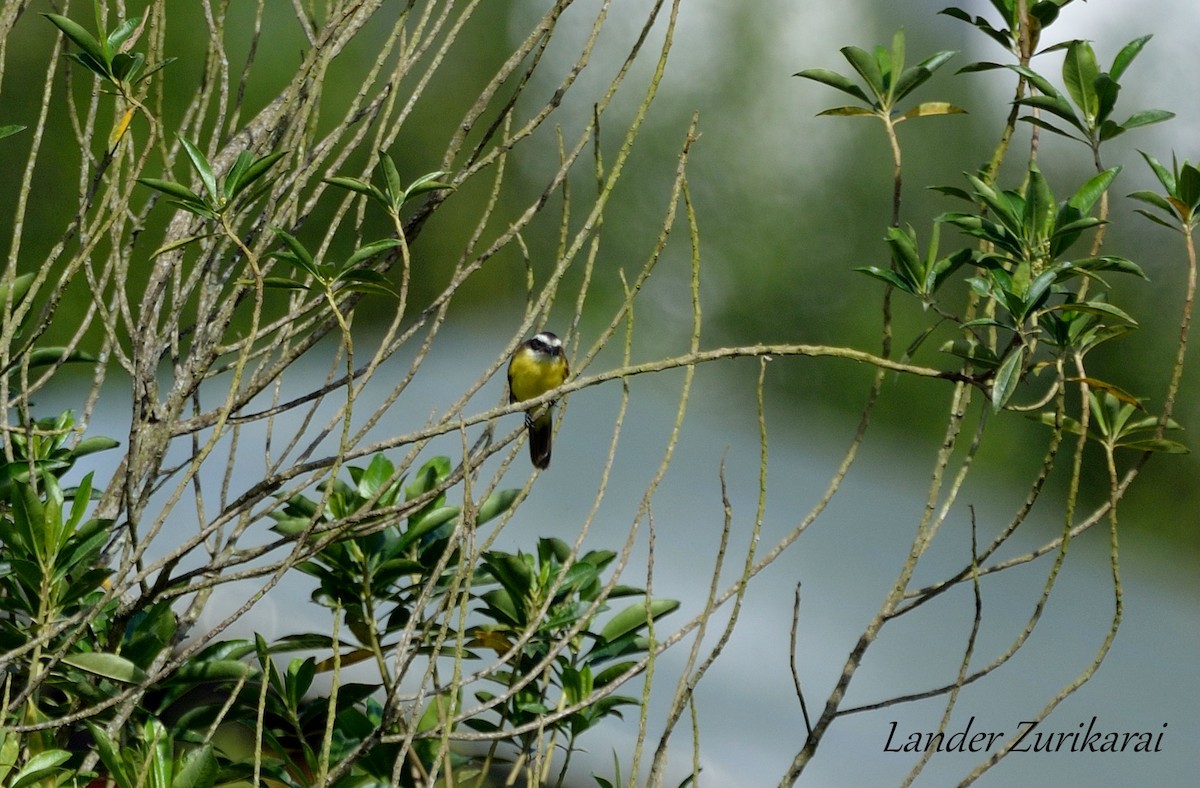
(537, 366)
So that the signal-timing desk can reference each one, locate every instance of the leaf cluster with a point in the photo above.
(1093, 95)
(886, 80)
(542, 601)
(220, 195)
(394, 194)
(109, 55)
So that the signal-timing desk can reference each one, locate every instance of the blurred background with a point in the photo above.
(788, 205)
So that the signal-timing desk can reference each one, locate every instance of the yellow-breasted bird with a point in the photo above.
(537, 366)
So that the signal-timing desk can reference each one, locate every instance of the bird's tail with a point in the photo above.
(541, 432)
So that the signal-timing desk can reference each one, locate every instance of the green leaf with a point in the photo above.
(1161, 445)
(1157, 220)
(426, 183)
(1055, 105)
(1155, 199)
(255, 170)
(234, 176)
(125, 67)
(1041, 83)
(80, 38)
(1107, 91)
(495, 505)
(1165, 176)
(299, 678)
(40, 767)
(371, 250)
(892, 64)
(198, 769)
(360, 187)
(177, 190)
(1007, 377)
(511, 571)
(51, 356)
(1146, 117)
(1126, 56)
(903, 243)
(202, 167)
(636, 617)
(299, 255)
(1098, 308)
(391, 176)
(10, 129)
(118, 38)
(1038, 218)
(1042, 123)
(110, 756)
(367, 281)
(889, 277)
(1086, 197)
(110, 666)
(20, 287)
(867, 68)
(1079, 75)
(834, 80)
(916, 76)
(1110, 263)
(94, 444)
(210, 670)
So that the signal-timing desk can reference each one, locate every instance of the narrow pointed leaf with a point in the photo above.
(1146, 117)
(300, 254)
(357, 185)
(199, 769)
(1157, 220)
(834, 80)
(1057, 106)
(257, 169)
(846, 112)
(887, 276)
(1043, 85)
(1043, 124)
(202, 167)
(110, 666)
(634, 618)
(867, 68)
(1107, 91)
(1126, 56)
(1079, 74)
(79, 37)
(1165, 176)
(1007, 377)
(1153, 198)
(371, 250)
(123, 37)
(1086, 197)
(395, 190)
(426, 183)
(1161, 445)
(916, 76)
(177, 190)
(234, 177)
(1099, 308)
(367, 281)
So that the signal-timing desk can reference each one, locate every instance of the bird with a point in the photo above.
(537, 365)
